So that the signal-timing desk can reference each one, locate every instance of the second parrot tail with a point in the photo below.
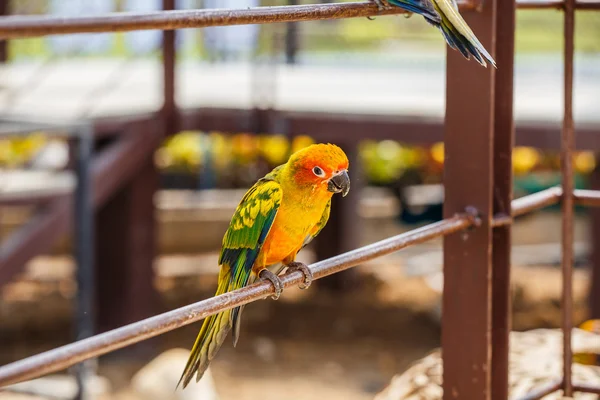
(457, 33)
(210, 338)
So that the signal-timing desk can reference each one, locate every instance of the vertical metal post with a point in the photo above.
(169, 59)
(567, 146)
(84, 254)
(468, 181)
(125, 251)
(291, 38)
(3, 43)
(504, 132)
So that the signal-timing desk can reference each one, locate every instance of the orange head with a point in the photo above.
(321, 166)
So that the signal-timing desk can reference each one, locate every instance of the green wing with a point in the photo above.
(320, 225)
(249, 228)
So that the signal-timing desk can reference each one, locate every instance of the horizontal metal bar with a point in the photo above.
(65, 356)
(536, 201)
(28, 26)
(584, 388)
(542, 391)
(555, 385)
(590, 198)
(557, 4)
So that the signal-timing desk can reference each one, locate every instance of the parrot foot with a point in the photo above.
(265, 274)
(308, 276)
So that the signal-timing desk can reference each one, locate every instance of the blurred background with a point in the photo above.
(245, 98)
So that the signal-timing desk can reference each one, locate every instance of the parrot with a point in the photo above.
(444, 15)
(279, 215)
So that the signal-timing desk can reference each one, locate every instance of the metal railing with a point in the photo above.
(479, 139)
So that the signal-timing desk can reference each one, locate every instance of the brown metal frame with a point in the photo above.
(479, 132)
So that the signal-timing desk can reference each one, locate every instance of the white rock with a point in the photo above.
(158, 379)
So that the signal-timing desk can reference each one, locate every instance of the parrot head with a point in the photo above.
(322, 167)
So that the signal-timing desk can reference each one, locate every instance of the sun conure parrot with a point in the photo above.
(276, 218)
(444, 15)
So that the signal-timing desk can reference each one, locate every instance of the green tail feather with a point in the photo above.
(210, 338)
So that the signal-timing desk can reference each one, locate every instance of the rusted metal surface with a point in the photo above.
(65, 356)
(28, 26)
(468, 181)
(567, 203)
(502, 196)
(584, 197)
(544, 198)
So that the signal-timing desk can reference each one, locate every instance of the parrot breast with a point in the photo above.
(295, 220)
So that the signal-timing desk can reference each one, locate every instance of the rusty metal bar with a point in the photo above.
(585, 388)
(555, 385)
(29, 26)
(589, 198)
(543, 391)
(544, 198)
(557, 4)
(504, 137)
(469, 152)
(65, 356)
(567, 203)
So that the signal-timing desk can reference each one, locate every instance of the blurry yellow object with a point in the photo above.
(585, 162)
(437, 152)
(386, 161)
(181, 150)
(274, 148)
(524, 159)
(221, 150)
(244, 147)
(592, 325)
(16, 151)
(300, 142)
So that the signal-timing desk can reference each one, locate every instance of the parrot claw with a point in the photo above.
(308, 276)
(265, 274)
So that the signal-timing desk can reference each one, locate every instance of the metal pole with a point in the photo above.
(84, 254)
(291, 38)
(468, 181)
(504, 134)
(567, 147)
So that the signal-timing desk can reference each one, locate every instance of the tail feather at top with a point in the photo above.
(212, 335)
(444, 15)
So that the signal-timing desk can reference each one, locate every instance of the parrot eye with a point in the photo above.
(318, 172)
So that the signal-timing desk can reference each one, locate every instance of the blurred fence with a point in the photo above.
(479, 137)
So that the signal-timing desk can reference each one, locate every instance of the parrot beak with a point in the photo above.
(339, 183)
